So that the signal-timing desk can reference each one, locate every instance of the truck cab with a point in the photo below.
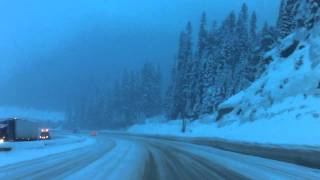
(45, 134)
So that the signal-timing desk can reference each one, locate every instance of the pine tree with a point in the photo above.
(210, 70)
(229, 46)
(281, 14)
(203, 36)
(227, 60)
(223, 58)
(135, 97)
(242, 27)
(253, 28)
(286, 20)
(124, 97)
(268, 37)
(169, 103)
(151, 90)
(199, 71)
(243, 52)
(250, 69)
(183, 72)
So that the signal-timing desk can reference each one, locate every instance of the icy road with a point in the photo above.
(116, 156)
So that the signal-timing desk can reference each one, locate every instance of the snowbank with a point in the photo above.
(33, 114)
(23, 151)
(282, 131)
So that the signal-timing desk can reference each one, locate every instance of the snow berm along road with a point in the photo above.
(125, 156)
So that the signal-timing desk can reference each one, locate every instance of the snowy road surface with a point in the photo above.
(130, 157)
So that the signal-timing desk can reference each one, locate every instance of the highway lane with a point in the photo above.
(177, 160)
(119, 156)
(57, 165)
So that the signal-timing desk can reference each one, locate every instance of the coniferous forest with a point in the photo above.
(213, 62)
(225, 59)
(131, 99)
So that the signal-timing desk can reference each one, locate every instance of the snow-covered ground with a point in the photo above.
(125, 156)
(287, 131)
(32, 114)
(22, 151)
(119, 156)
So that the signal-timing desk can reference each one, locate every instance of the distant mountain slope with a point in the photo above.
(31, 114)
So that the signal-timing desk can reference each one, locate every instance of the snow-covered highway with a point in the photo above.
(121, 156)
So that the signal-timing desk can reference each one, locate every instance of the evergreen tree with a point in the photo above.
(191, 72)
(183, 71)
(151, 90)
(224, 57)
(243, 51)
(286, 20)
(254, 56)
(268, 38)
(281, 14)
(199, 63)
(124, 96)
(203, 36)
(253, 28)
(169, 103)
(228, 58)
(135, 97)
(210, 70)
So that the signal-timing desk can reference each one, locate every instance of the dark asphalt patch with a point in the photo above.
(308, 157)
(151, 169)
(183, 165)
(5, 149)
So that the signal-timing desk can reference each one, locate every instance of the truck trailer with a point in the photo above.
(14, 129)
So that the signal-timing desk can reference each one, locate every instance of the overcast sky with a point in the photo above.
(132, 28)
(118, 32)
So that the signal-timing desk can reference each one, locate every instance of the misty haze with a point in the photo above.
(167, 89)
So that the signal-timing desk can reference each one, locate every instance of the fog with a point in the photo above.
(53, 51)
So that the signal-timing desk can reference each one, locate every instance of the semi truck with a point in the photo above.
(15, 129)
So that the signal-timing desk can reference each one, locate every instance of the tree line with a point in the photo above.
(131, 99)
(226, 59)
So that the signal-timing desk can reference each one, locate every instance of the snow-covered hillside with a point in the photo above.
(290, 87)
